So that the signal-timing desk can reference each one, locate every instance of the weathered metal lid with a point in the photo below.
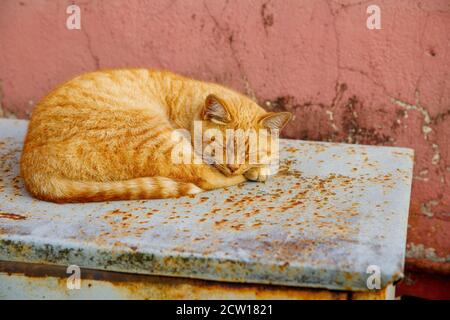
(333, 211)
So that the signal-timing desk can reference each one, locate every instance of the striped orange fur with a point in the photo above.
(106, 135)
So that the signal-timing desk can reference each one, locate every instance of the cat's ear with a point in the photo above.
(275, 120)
(215, 110)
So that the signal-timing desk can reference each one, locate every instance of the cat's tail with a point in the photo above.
(64, 190)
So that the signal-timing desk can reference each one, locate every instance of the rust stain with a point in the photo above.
(12, 216)
(160, 287)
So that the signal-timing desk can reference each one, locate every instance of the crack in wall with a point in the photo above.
(367, 76)
(267, 18)
(336, 36)
(228, 34)
(339, 65)
(350, 5)
(339, 90)
(94, 57)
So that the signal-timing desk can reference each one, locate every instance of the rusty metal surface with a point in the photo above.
(333, 210)
(33, 281)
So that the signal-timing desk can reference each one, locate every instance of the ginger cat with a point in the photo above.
(106, 135)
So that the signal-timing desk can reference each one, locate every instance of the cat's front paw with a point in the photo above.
(259, 174)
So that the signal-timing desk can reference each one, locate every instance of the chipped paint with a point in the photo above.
(427, 121)
(333, 210)
(419, 108)
(427, 206)
(419, 251)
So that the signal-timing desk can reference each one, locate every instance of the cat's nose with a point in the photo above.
(233, 167)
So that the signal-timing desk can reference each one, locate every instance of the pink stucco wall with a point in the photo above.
(315, 58)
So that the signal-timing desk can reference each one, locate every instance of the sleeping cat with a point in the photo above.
(106, 135)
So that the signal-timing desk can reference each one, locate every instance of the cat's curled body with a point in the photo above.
(106, 135)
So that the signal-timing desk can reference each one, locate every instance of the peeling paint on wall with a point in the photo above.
(421, 252)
